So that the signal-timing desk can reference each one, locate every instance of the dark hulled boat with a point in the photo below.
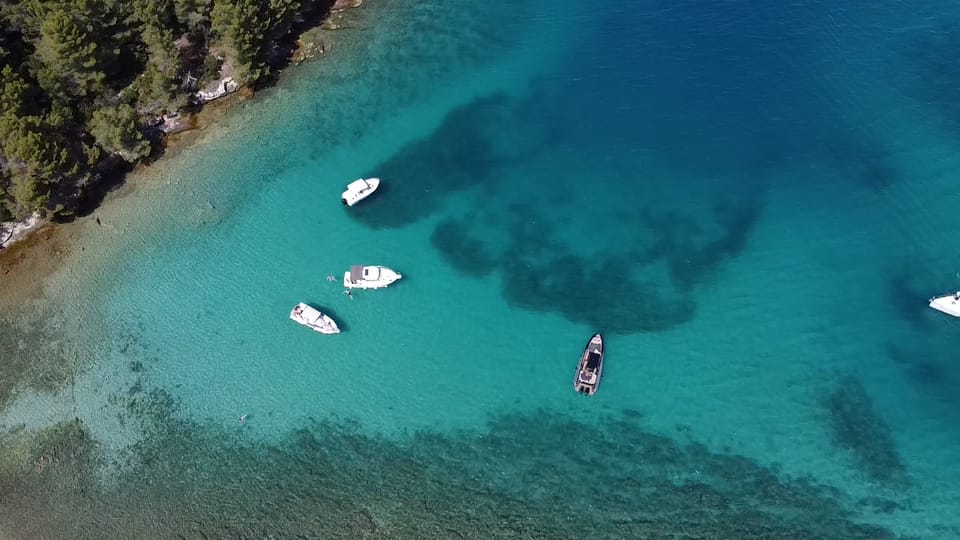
(590, 369)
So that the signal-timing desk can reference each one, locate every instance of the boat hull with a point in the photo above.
(359, 190)
(305, 315)
(370, 277)
(586, 380)
(948, 303)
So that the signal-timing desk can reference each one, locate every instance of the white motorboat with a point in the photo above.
(359, 190)
(313, 319)
(948, 303)
(590, 369)
(369, 277)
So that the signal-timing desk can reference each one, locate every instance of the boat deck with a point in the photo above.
(593, 361)
(949, 304)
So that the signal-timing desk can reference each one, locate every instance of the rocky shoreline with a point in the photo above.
(309, 45)
(12, 231)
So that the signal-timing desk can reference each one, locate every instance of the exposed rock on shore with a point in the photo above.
(311, 43)
(340, 5)
(11, 231)
(307, 47)
(176, 122)
(224, 86)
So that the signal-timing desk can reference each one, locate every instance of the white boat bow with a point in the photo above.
(948, 303)
(313, 319)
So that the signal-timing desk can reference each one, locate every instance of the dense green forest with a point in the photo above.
(85, 83)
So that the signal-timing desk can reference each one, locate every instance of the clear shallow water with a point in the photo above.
(751, 202)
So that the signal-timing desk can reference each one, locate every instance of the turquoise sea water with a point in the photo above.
(751, 201)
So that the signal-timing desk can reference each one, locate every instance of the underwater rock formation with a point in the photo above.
(856, 426)
(531, 475)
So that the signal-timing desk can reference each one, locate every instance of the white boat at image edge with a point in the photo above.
(948, 303)
(359, 190)
(369, 277)
(314, 319)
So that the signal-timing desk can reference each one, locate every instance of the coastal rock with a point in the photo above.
(223, 87)
(176, 122)
(340, 5)
(11, 231)
(307, 49)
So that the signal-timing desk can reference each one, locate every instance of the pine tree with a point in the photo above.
(157, 85)
(67, 54)
(245, 29)
(115, 129)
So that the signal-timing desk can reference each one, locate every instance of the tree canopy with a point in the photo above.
(84, 79)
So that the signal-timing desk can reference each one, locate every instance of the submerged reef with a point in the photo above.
(536, 475)
(856, 427)
(468, 255)
(646, 282)
(32, 354)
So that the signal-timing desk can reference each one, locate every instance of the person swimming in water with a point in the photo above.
(242, 419)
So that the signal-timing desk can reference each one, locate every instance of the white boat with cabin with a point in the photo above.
(312, 318)
(587, 378)
(948, 303)
(369, 277)
(359, 190)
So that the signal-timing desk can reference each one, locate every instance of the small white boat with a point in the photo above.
(369, 277)
(359, 190)
(312, 318)
(948, 303)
